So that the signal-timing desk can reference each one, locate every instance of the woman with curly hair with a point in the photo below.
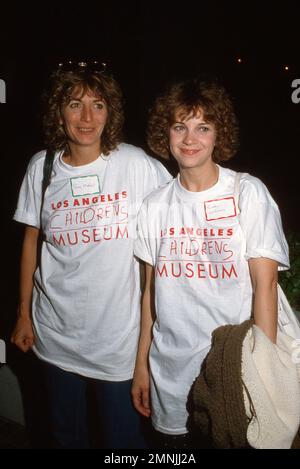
(212, 241)
(79, 305)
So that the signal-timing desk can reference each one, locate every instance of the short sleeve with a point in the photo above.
(142, 246)
(29, 200)
(261, 223)
(156, 175)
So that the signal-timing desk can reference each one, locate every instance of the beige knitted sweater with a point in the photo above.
(223, 409)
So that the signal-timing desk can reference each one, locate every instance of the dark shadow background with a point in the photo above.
(147, 44)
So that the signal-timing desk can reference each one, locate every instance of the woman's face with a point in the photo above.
(192, 140)
(84, 118)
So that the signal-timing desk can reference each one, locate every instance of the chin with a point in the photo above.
(188, 164)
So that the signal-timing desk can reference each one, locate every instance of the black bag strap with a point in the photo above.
(47, 170)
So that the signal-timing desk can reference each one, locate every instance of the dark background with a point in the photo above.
(146, 44)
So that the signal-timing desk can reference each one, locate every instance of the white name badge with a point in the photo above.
(85, 185)
(220, 208)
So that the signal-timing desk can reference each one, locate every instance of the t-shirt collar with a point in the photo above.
(185, 194)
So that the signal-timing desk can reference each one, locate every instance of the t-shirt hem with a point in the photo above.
(255, 254)
(87, 374)
(143, 257)
(168, 431)
(27, 220)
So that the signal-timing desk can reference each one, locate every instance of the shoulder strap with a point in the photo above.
(47, 170)
(288, 322)
(236, 190)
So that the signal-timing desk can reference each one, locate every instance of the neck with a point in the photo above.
(79, 156)
(199, 179)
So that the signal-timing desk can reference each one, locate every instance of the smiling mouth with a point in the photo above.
(85, 130)
(189, 152)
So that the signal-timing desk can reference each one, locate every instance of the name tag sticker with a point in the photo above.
(85, 185)
(220, 208)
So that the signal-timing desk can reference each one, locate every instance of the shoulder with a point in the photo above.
(130, 153)
(36, 164)
(252, 188)
(137, 156)
(161, 194)
(37, 160)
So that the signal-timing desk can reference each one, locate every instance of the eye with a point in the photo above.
(178, 127)
(99, 106)
(74, 104)
(204, 128)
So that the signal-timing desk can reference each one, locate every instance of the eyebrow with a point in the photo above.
(182, 122)
(80, 99)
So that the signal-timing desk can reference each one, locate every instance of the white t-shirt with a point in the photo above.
(86, 298)
(202, 281)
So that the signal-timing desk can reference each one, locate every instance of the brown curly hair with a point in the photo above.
(63, 85)
(190, 96)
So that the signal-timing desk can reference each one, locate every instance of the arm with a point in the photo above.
(23, 336)
(141, 379)
(264, 278)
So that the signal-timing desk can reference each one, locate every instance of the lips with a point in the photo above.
(186, 152)
(85, 130)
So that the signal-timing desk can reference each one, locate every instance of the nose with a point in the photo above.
(86, 114)
(188, 138)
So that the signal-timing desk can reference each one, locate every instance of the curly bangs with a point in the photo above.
(188, 98)
(60, 94)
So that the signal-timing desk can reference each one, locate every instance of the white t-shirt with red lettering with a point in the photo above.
(86, 297)
(196, 244)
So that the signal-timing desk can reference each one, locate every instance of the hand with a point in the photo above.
(23, 335)
(140, 391)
